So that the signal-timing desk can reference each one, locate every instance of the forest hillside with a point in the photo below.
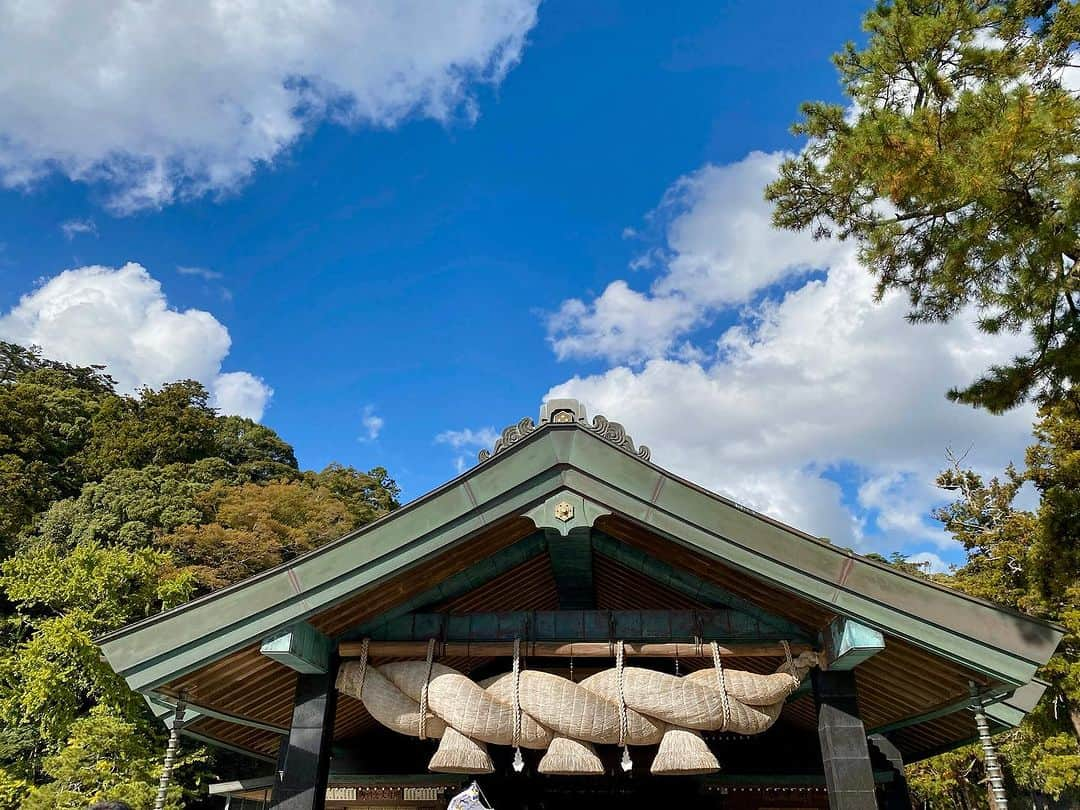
(112, 508)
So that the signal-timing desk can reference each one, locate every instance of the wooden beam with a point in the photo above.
(851, 643)
(561, 649)
(300, 647)
(724, 626)
(214, 742)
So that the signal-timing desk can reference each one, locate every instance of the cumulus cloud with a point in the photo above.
(240, 393)
(120, 317)
(719, 249)
(160, 101)
(818, 406)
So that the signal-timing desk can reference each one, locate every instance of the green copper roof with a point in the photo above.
(596, 468)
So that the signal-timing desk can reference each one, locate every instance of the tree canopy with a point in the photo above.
(954, 168)
(113, 508)
(1028, 560)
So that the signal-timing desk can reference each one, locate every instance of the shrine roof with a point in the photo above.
(561, 475)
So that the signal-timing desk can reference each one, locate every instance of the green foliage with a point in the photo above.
(13, 790)
(955, 171)
(113, 508)
(257, 452)
(1029, 561)
(128, 507)
(105, 758)
(367, 495)
(43, 428)
(255, 527)
(951, 780)
(101, 588)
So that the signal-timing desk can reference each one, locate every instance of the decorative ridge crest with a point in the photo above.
(563, 411)
(510, 435)
(617, 435)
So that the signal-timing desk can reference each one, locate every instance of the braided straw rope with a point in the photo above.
(544, 711)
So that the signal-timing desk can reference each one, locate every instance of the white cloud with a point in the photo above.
(201, 272)
(372, 424)
(622, 324)
(121, 318)
(160, 101)
(240, 393)
(720, 249)
(817, 386)
(78, 227)
(467, 439)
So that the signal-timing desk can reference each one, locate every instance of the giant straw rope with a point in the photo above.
(540, 710)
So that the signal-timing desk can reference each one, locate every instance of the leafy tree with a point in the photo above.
(256, 527)
(43, 427)
(129, 507)
(54, 672)
(1054, 468)
(950, 780)
(367, 495)
(256, 450)
(998, 538)
(955, 171)
(122, 759)
(174, 424)
(1025, 560)
(113, 508)
(17, 361)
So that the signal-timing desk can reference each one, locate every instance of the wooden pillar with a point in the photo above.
(897, 796)
(304, 765)
(849, 777)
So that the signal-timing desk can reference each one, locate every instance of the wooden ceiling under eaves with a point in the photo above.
(900, 682)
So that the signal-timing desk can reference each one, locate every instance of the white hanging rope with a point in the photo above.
(519, 762)
(363, 664)
(517, 693)
(424, 690)
(721, 682)
(789, 662)
(624, 721)
(171, 752)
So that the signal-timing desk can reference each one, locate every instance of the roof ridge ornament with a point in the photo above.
(567, 411)
(615, 433)
(510, 435)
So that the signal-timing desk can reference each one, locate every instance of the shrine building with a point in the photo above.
(571, 626)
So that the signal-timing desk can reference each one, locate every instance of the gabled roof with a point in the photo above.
(514, 490)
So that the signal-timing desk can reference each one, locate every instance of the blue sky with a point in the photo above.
(412, 251)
